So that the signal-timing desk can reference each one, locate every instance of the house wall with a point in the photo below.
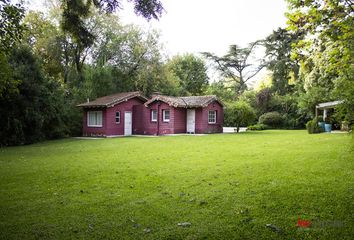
(109, 125)
(166, 127)
(180, 120)
(142, 121)
(138, 119)
(118, 129)
(177, 123)
(160, 127)
(201, 119)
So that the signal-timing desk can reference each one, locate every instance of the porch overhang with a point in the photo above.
(327, 105)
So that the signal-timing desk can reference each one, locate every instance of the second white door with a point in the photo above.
(127, 123)
(190, 120)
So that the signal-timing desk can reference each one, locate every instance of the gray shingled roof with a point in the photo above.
(186, 102)
(114, 99)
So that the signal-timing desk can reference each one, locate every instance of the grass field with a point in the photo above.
(226, 186)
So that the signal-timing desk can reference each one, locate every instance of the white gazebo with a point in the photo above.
(325, 106)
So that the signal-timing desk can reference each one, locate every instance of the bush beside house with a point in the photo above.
(271, 119)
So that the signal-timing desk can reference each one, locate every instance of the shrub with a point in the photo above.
(312, 127)
(239, 114)
(272, 119)
(345, 126)
(257, 127)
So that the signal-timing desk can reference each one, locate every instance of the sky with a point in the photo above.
(193, 26)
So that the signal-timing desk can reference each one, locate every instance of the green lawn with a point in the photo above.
(227, 186)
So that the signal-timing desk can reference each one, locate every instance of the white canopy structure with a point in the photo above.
(325, 106)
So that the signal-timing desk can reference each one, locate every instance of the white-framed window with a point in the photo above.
(117, 117)
(94, 119)
(153, 115)
(166, 115)
(212, 116)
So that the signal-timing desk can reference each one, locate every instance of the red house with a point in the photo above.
(111, 115)
(131, 113)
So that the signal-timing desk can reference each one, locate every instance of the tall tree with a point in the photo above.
(11, 31)
(11, 28)
(237, 65)
(75, 12)
(36, 111)
(132, 54)
(278, 52)
(47, 42)
(331, 25)
(219, 89)
(191, 73)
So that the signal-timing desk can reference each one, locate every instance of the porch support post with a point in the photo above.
(324, 114)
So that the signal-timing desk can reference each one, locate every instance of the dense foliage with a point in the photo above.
(239, 114)
(325, 55)
(37, 110)
(257, 127)
(272, 119)
(313, 127)
(191, 73)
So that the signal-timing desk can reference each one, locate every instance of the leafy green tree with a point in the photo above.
(36, 111)
(239, 114)
(8, 85)
(76, 12)
(11, 28)
(329, 52)
(272, 119)
(219, 89)
(330, 18)
(237, 65)
(191, 73)
(61, 57)
(48, 43)
(263, 100)
(133, 56)
(11, 31)
(278, 52)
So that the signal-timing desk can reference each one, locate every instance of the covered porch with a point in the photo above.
(326, 107)
(328, 110)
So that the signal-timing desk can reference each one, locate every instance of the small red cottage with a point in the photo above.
(132, 113)
(111, 115)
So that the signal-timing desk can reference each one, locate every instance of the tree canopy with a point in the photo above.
(76, 12)
(191, 74)
(237, 65)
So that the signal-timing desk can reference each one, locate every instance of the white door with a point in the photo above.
(127, 123)
(190, 120)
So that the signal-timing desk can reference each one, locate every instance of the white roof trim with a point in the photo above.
(329, 104)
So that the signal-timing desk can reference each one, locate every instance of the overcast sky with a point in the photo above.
(194, 26)
(208, 25)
